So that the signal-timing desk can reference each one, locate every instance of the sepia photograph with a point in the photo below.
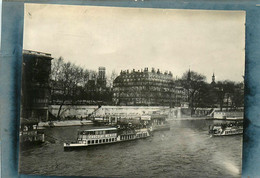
(131, 92)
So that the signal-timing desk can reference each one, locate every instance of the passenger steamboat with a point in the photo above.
(100, 136)
(235, 128)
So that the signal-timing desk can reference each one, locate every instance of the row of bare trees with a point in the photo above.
(70, 82)
(223, 94)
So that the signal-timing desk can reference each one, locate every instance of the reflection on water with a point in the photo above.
(184, 151)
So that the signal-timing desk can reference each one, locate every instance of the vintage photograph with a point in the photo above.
(132, 92)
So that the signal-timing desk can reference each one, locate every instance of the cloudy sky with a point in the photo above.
(134, 38)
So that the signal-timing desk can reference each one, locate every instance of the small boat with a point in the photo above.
(101, 136)
(233, 128)
(31, 133)
(156, 122)
(161, 127)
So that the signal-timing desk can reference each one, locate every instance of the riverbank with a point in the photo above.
(65, 123)
(89, 122)
(187, 118)
(226, 119)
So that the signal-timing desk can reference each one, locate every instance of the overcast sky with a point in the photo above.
(134, 38)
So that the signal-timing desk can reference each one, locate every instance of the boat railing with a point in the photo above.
(30, 132)
(231, 124)
(97, 136)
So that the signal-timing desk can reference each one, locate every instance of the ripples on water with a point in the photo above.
(184, 151)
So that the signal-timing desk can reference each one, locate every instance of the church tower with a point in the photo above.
(213, 79)
(189, 75)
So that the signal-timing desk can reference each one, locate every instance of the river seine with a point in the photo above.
(186, 150)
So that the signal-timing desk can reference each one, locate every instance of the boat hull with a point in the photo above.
(221, 135)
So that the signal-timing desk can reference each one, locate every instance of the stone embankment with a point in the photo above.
(65, 123)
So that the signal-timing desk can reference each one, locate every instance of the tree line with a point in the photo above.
(228, 95)
(72, 83)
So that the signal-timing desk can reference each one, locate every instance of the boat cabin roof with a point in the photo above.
(216, 126)
(111, 128)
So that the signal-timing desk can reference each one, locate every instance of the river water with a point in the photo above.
(186, 150)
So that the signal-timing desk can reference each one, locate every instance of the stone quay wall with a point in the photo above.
(79, 112)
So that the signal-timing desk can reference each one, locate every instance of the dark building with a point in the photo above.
(101, 79)
(35, 94)
(150, 88)
(102, 73)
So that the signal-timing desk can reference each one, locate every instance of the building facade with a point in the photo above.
(147, 88)
(35, 94)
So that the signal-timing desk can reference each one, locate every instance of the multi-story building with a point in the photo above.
(150, 88)
(181, 97)
(35, 93)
